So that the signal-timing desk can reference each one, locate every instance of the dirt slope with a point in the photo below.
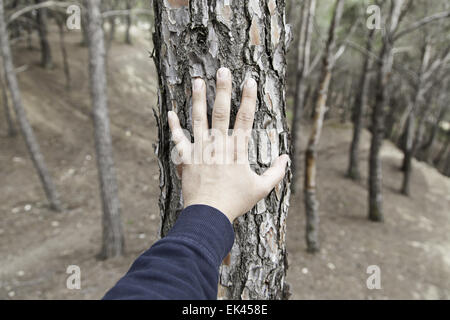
(412, 247)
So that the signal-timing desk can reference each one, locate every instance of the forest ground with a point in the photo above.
(412, 247)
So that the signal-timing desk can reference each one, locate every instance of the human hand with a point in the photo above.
(220, 176)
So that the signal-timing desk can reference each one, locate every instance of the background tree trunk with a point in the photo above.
(193, 39)
(304, 48)
(113, 240)
(46, 53)
(384, 72)
(426, 149)
(359, 110)
(84, 28)
(9, 121)
(311, 203)
(128, 19)
(25, 127)
(60, 22)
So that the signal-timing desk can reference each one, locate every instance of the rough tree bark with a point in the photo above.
(303, 61)
(193, 39)
(46, 53)
(25, 127)
(9, 121)
(113, 240)
(359, 108)
(311, 203)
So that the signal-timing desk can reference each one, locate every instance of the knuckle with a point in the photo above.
(197, 117)
(220, 114)
(245, 117)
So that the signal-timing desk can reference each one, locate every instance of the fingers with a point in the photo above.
(199, 112)
(244, 119)
(182, 143)
(246, 113)
(272, 176)
(221, 111)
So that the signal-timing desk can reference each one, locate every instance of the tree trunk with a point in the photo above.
(29, 28)
(411, 145)
(193, 39)
(359, 108)
(427, 147)
(384, 73)
(25, 127)
(128, 19)
(9, 121)
(62, 43)
(346, 101)
(46, 53)
(407, 156)
(304, 47)
(375, 170)
(113, 240)
(112, 32)
(84, 28)
(311, 203)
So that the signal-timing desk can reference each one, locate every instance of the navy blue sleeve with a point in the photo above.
(184, 264)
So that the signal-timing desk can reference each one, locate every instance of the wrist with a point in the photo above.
(211, 204)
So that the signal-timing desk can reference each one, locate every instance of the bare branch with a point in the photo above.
(421, 23)
(134, 11)
(41, 5)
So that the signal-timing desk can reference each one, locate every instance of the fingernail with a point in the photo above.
(250, 83)
(198, 83)
(170, 115)
(223, 73)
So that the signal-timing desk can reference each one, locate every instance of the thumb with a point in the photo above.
(272, 176)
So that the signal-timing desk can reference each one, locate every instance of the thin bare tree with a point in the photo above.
(391, 34)
(113, 239)
(311, 203)
(359, 108)
(303, 65)
(62, 43)
(25, 127)
(8, 118)
(46, 53)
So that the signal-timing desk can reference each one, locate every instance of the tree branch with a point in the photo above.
(421, 23)
(41, 5)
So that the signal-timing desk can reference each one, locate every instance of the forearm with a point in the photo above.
(183, 265)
